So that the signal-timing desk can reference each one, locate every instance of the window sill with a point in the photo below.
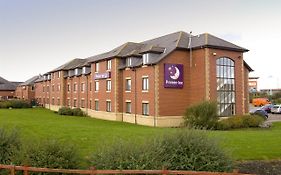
(144, 91)
(128, 91)
(107, 91)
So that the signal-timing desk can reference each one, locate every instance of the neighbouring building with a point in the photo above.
(270, 91)
(253, 84)
(25, 90)
(7, 89)
(152, 82)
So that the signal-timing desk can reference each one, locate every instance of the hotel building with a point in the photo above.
(151, 82)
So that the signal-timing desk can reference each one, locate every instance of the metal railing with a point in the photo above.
(93, 171)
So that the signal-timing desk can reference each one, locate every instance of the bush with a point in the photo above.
(9, 145)
(15, 104)
(237, 122)
(49, 154)
(203, 115)
(69, 111)
(78, 112)
(65, 111)
(183, 150)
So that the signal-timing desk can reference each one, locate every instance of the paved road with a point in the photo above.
(271, 117)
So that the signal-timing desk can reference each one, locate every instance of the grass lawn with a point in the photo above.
(89, 134)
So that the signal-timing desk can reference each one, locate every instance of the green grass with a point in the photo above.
(88, 134)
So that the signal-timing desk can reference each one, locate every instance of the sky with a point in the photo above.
(37, 36)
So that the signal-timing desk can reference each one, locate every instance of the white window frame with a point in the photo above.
(108, 85)
(76, 71)
(145, 83)
(127, 80)
(145, 108)
(145, 58)
(97, 84)
(108, 64)
(108, 106)
(97, 67)
(129, 62)
(128, 110)
(58, 74)
(84, 70)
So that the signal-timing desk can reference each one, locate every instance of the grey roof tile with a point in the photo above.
(6, 85)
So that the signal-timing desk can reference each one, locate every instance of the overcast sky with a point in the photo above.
(37, 36)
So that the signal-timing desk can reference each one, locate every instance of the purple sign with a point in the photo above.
(104, 75)
(173, 75)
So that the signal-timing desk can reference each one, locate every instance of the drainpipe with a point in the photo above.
(135, 79)
(154, 118)
(87, 94)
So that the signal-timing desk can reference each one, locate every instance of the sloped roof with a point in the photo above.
(6, 85)
(166, 44)
(77, 62)
(30, 81)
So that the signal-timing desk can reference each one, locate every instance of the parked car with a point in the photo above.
(260, 101)
(259, 112)
(276, 109)
(267, 108)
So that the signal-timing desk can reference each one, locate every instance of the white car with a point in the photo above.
(276, 109)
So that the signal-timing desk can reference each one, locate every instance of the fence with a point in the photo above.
(93, 171)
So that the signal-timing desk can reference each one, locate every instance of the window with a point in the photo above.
(82, 103)
(108, 85)
(90, 104)
(96, 105)
(53, 101)
(58, 87)
(43, 88)
(48, 88)
(68, 87)
(82, 87)
(128, 107)
(84, 70)
(128, 85)
(145, 108)
(108, 65)
(53, 75)
(145, 58)
(68, 102)
(108, 106)
(74, 87)
(59, 74)
(74, 103)
(129, 62)
(53, 88)
(97, 67)
(76, 71)
(96, 85)
(145, 83)
(90, 86)
(225, 86)
(58, 101)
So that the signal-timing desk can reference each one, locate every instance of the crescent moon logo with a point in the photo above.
(176, 75)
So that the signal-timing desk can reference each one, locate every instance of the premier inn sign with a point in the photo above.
(173, 75)
(104, 75)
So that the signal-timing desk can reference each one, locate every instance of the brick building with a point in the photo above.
(7, 89)
(152, 82)
(26, 89)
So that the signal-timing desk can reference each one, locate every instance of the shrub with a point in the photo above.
(183, 150)
(49, 154)
(9, 145)
(203, 115)
(78, 112)
(65, 111)
(236, 122)
(69, 111)
(15, 104)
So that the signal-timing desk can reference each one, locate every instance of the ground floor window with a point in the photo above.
(82, 103)
(74, 103)
(96, 105)
(108, 106)
(128, 107)
(145, 108)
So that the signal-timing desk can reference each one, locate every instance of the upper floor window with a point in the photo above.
(129, 62)
(74, 87)
(58, 74)
(68, 87)
(82, 87)
(96, 85)
(108, 85)
(108, 65)
(145, 58)
(145, 83)
(76, 71)
(97, 67)
(128, 85)
(84, 70)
